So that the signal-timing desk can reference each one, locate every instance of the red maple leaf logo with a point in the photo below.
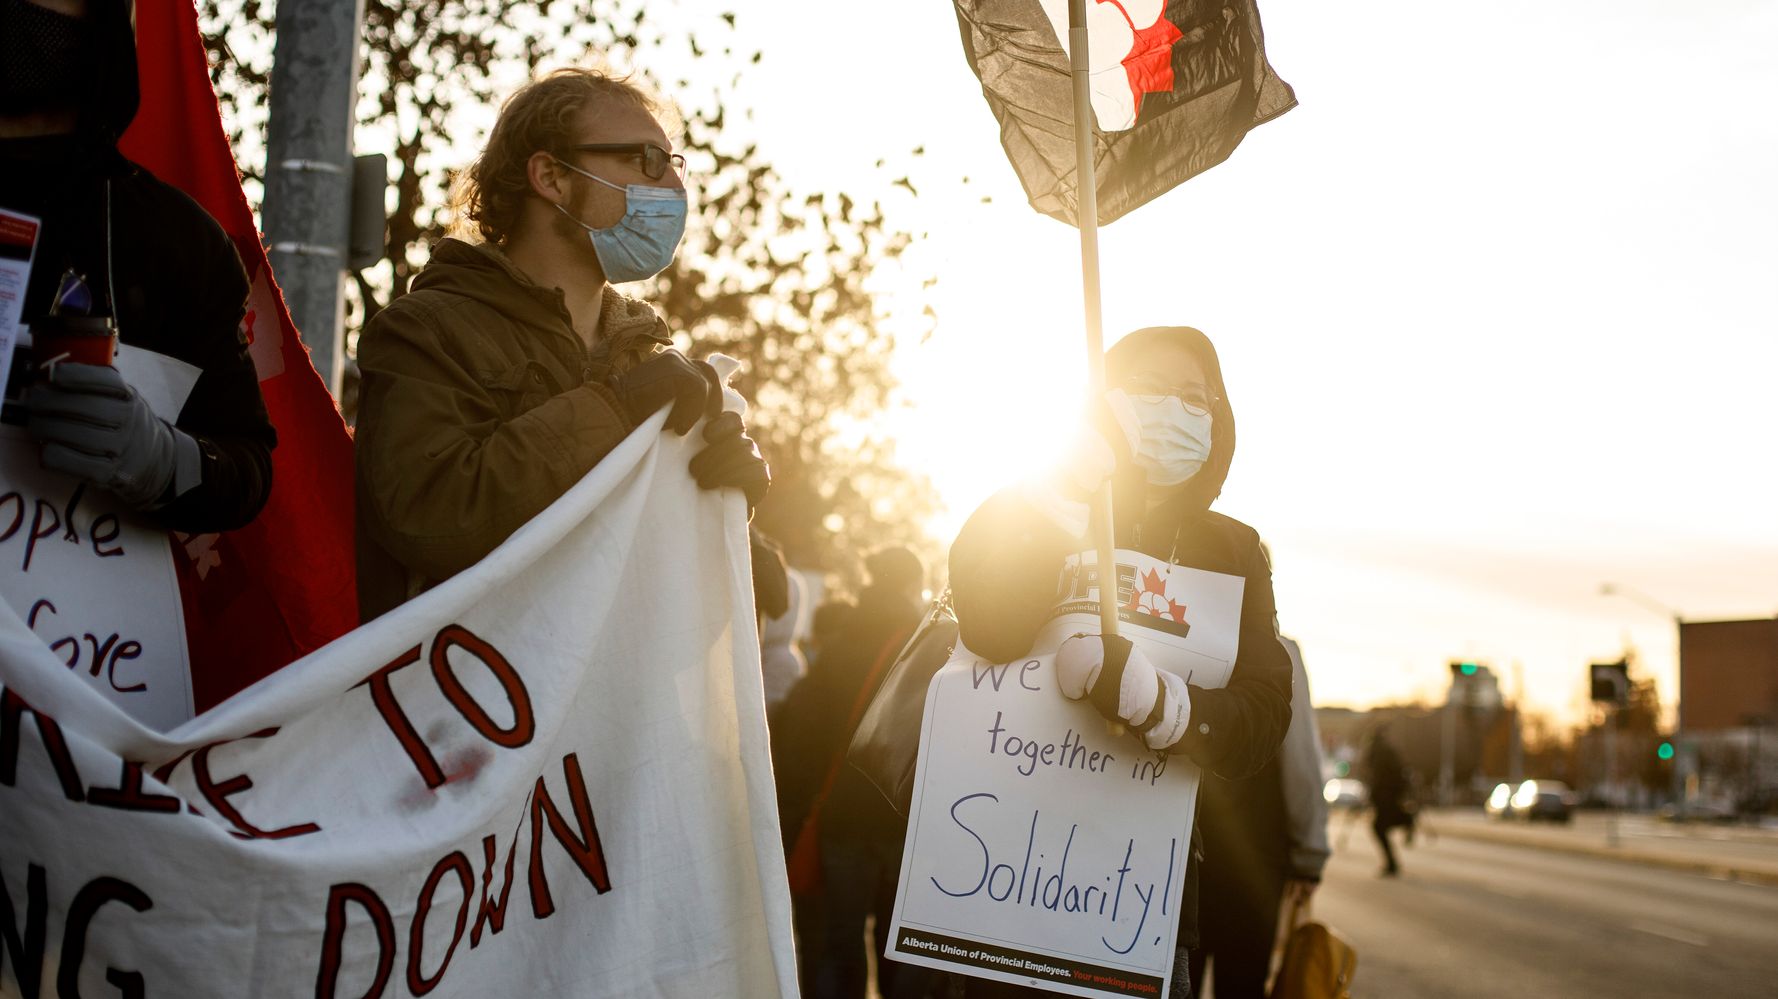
(1149, 63)
(1152, 599)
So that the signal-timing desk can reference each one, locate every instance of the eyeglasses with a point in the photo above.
(653, 158)
(1197, 395)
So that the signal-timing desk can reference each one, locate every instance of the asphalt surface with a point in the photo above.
(1484, 919)
(1747, 853)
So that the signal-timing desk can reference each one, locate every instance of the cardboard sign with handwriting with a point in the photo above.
(1041, 849)
(91, 577)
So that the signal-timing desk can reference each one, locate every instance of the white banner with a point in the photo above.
(546, 777)
(1041, 849)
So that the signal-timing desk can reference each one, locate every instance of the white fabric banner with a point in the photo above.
(546, 777)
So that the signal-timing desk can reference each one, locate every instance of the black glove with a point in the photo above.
(731, 460)
(771, 580)
(669, 378)
(1104, 693)
(94, 426)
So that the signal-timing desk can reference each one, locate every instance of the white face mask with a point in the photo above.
(1173, 440)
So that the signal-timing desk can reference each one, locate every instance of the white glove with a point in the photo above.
(1155, 702)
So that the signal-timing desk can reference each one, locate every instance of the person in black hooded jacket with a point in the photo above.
(1006, 561)
(117, 242)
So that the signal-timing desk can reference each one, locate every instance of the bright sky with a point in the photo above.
(1497, 305)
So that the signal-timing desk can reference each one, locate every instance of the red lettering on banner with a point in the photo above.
(384, 698)
(524, 722)
(81, 911)
(586, 851)
(333, 938)
(217, 794)
(382, 694)
(25, 949)
(493, 913)
(12, 706)
(417, 982)
(129, 794)
(579, 837)
(165, 770)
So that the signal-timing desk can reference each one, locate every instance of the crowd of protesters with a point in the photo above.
(513, 367)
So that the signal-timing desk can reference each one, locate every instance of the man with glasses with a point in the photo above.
(512, 366)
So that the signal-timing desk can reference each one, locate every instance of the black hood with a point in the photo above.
(113, 93)
(1198, 492)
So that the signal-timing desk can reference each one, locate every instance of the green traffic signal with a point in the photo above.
(1665, 751)
(1467, 668)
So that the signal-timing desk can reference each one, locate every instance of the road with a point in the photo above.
(1483, 919)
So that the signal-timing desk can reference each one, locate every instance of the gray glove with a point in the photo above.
(94, 426)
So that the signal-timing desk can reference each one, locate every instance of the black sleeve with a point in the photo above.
(1234, 730)
(225, 411)
(1004, 567)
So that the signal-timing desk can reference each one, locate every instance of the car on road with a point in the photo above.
(1344, 792)
(1532, 800)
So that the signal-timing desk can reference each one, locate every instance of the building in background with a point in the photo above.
(1728, 711)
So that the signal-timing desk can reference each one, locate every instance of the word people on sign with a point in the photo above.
(93, 579)
(94, 583)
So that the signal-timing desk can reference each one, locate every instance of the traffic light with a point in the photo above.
(1464, 669)
(1611, 681)
(1664, 751)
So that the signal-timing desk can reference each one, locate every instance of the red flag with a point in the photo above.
(263, 596)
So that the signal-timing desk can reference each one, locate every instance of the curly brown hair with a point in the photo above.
(539, 116)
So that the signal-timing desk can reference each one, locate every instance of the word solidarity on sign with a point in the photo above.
(547, 776)
(1041, 849)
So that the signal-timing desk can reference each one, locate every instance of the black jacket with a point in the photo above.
(180, 288)
(1006, 561)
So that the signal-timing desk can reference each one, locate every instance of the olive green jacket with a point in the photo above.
(479, 406)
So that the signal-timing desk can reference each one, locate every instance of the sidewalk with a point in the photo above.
(1734, 853)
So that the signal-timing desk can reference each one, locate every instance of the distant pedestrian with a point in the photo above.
(1265, 844)
(861, 835)
(778, 598)
(1387, 781)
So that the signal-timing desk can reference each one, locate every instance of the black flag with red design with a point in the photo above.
(1175, 85)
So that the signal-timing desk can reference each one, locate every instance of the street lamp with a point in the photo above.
(1649, 603)
(1637, 596)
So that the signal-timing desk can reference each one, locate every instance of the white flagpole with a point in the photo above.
(1087, 220)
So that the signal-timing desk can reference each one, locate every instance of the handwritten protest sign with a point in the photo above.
(18, 246)
(547, 776)
(92, 578)
(1041, 849)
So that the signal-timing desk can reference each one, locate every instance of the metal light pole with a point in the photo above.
(1687, 761)
(1515, 766)
(308, 177)
(1447, 758)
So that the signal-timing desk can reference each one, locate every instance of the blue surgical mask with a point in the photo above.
(1173, 438)
(643, 242)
